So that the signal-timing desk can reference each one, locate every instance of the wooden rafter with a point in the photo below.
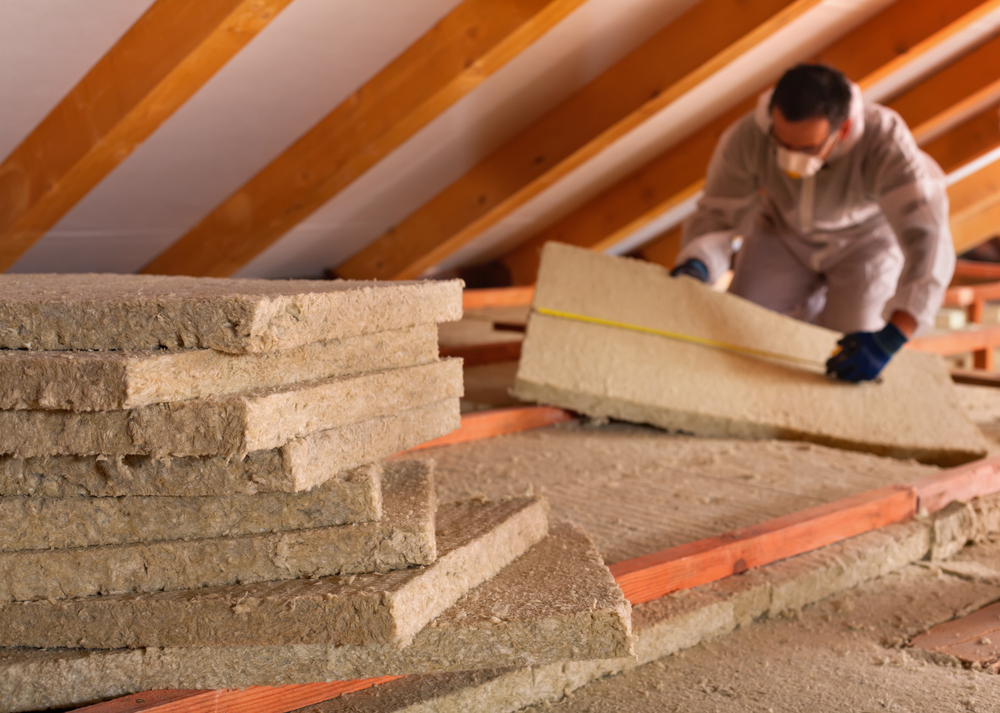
(901, 33)
(163, 59)
(975, 208)
(467, 46)
(966, 142)
(703, 40)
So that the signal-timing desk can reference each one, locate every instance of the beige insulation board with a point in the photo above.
(135, 312)
(298, 465)
(557, 602)
(107, 381)
(34, 523)
(606, 371)
(230, 425)
(475, 540)
(403, 537)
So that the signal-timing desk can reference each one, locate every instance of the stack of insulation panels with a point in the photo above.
(191, 496)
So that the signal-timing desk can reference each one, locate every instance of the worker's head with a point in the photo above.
(810, 107)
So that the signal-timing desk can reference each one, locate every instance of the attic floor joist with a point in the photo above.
(649, 577)
(703, 40)
(472, 42)
(904, 33)
(163, 59)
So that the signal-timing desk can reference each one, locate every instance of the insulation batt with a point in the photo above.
(403, 537)
(556, 603)
(135, 312)
(300, 464)
(605, 371)
(233, 425)
(475, 540)
(108, 381)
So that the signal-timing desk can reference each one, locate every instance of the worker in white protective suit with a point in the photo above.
(844, 220)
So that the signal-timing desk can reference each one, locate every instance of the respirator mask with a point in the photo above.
(798, 164)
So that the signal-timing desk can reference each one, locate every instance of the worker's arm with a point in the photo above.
(911, 190)
(730, 192)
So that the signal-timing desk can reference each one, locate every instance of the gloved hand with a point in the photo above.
(864, 354)
(692, 268)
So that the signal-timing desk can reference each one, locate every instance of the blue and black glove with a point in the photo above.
(692, 268)
(864, 354)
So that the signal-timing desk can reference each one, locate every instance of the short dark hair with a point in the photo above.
(808, 91)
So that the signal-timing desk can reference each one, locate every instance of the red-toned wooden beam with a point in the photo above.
(948, 343)
(974, 270)
(477, 354)
(974, 638)
(962, 484)
(498, 297)
(650, 577)
(260, 699)
(965, 295)
(499, 422)
(975, 377)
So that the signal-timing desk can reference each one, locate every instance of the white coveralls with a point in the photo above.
(866, 236)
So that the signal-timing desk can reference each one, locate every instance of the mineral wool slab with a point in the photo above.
(556, 603)
(607, 371)
(403, 537)
(298, 465)
(108, 381)
(135, 312)
(230, 426)
(31, 523)
(475, 540)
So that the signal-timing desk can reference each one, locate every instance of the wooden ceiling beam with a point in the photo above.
(975, 207)
(163, 59)
(472, 42)
(896, 36)
(696, 45)
(968, 141)
(953, 94)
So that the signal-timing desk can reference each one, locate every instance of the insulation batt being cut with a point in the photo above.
(608, 371)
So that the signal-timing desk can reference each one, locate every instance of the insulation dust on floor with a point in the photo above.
(606, 370)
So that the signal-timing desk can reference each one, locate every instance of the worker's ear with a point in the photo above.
(844, 130)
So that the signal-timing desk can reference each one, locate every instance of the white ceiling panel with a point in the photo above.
(46, 47)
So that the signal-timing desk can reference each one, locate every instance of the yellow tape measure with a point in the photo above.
(712, 343)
